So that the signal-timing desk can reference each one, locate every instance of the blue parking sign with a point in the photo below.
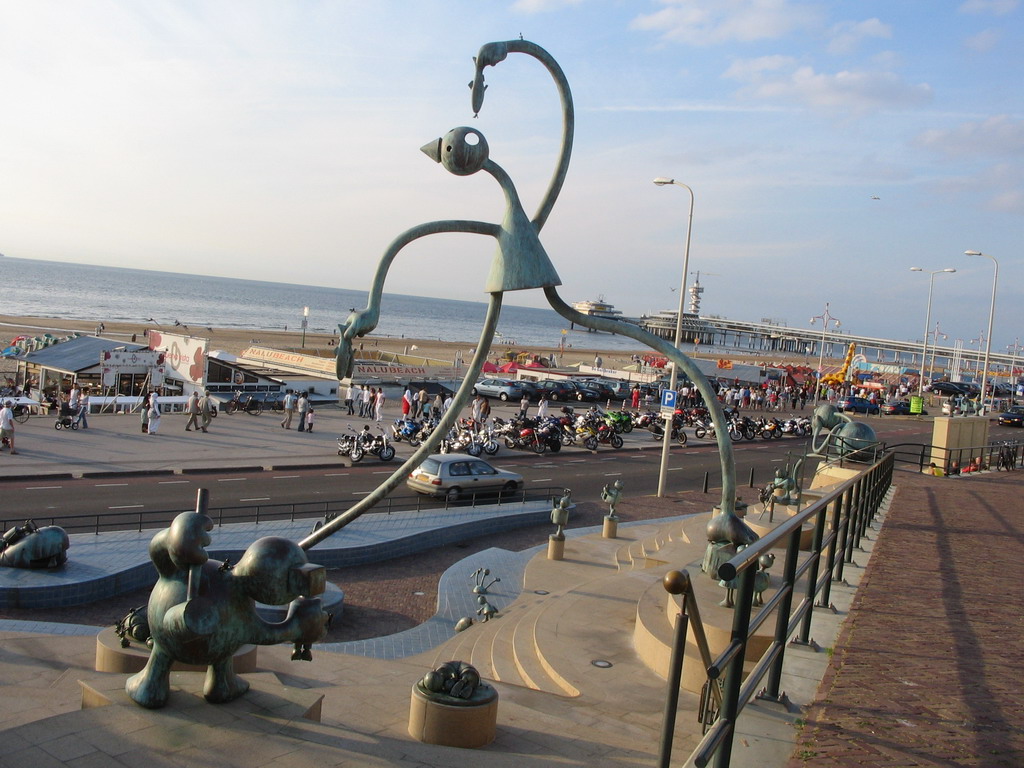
(668, 398)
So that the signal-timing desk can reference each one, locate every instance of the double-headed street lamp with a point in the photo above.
(927, 322)
(825, 318)
(661, 181)
(991, 317)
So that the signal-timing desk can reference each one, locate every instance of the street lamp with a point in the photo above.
(927, 323)
(825, 318)
(661, 181)
(305, 321)
(1015, 348)
(991, 317)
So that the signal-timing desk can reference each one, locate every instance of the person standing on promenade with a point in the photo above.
(349, 394)
(542, 406)
(289, 409)
(309, 419)
(154, 412)
(368, 402)
(524, 406)
(379, 405)
(7, 425)
(73, 397)
(634, 397)
(192, 409)
(205, 409)
(302, 407)
(438, 406)
(144, 410)
(82, 416)
(422, 399)
(485, 411)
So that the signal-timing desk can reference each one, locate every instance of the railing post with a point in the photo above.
(854, 538)
(830, 561)
(844, 532)
(751, 480)
(812, 574)
(734, 674)
(705, 488)
(675, 583)
(782, 615)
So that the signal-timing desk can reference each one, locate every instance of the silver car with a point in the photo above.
(503, 389)
(454, 475)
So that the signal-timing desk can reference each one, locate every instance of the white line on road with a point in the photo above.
(283, 477)
(361, 493)
(231, 479)
(172, 482)
(578, 461)
(676, 469)
(611, 474)
(44, 487)
(542, 480)
(261, 498)
(109, 485)
(337, 474)
(128, 506)
(382, 471)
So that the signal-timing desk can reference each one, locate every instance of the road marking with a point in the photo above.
(337, 474)
(542, 480)
(676, 469)
(611, 474)
(261, 498)
(382, 471)
(109, 485)
(578, 461)
(361, 493)
(172, 482)
(44, 487)
(231, 479)
(128, 506)
(283, 477)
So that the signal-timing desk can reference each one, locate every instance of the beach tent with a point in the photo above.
(490, 367)
(509, 367)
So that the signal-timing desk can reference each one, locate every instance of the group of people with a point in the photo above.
(297, 405)
(368, 403)
(199, 410)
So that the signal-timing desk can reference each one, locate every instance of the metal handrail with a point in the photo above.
(919, 454)
(848, 510)
(142, 519)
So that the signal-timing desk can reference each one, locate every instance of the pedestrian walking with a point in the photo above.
(349, 395)
(154, 412)
(289, 409)
(309, 419)
(144, 411)
(192, 409)
(82, 417)
(205, 409)
(7, 426)
(368, 402)
(302, 406)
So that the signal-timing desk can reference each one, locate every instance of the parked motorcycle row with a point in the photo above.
(590, 430)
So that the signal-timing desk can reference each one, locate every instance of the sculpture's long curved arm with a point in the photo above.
(430, 444)
(493, 53)
(686, 365)
(362, 321)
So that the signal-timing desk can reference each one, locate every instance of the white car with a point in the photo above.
(454, 475)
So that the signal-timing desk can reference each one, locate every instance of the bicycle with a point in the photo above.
(250, 405)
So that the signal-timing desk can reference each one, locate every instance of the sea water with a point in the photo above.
(112, 294)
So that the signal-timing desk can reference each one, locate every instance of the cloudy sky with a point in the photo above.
(830, 146)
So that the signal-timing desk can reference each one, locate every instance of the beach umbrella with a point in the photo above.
(490, 367)
(509, 367)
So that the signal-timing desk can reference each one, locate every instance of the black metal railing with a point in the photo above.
(1002, 454)
(139, 520)
(840, 520)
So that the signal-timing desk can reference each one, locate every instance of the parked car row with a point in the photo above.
(590, 390)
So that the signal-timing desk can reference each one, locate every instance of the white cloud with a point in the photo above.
(859, 91)
(708, 22)
(995, 7)
(542, 6)
(999, 136)
(983, 41)
(750, 69)
(848, 35)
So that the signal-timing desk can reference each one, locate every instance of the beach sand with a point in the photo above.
(234, 341)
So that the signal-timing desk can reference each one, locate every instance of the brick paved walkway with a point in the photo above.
(928, 667)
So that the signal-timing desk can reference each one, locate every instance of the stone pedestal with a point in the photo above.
(470, 726)
(556, 548)
(611, 528)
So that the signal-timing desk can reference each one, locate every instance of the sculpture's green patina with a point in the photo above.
(521, 263)
(201, 611)
(29, 546)
(835, 435)
(611, 494)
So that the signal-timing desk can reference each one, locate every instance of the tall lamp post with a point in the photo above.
(305, 322)
(825, 318)
(661, 181)
(927, 322)
(991, 317)
(1015, 348)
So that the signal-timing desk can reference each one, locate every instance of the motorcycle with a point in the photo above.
(408, 430)
(355, 446)
(657, 429)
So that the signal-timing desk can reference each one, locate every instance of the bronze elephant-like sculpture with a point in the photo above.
(28, 546)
